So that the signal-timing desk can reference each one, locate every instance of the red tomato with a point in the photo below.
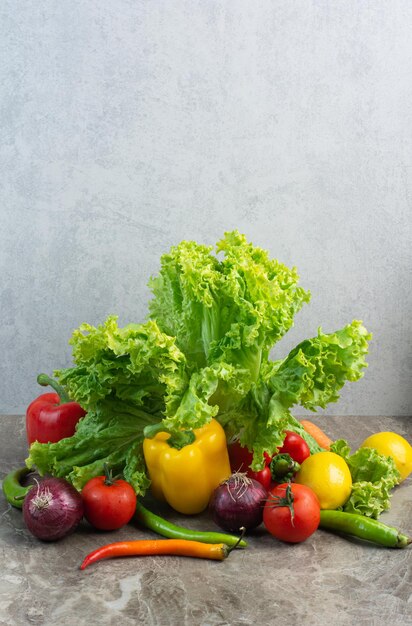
(263, 477)
(108, 505)
(241, 458)
(267, 457)
(291, 512)
(296, 446)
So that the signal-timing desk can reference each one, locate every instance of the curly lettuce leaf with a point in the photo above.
(137, 364)
(126, 379)
(228, 311)
(373, 477)
(314, 372)
(310, 376)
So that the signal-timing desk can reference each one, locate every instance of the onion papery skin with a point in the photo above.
(52, 509)
(238, 502)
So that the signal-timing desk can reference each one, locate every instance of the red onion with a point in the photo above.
(52, 509)
(237, 502)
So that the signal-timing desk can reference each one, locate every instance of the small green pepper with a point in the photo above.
(364, 528)
(167, 529)
(13, 490)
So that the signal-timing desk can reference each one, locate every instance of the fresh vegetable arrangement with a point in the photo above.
(204, 353)
(189, 405)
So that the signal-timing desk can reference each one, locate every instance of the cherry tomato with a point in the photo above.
(263, 477)
(296, 446)
(291, 512)
(108, 504)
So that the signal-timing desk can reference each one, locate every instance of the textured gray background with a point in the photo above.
(130, 125)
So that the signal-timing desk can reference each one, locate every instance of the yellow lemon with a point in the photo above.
(394, 445)
(328, 475)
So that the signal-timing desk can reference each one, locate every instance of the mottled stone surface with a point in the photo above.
(327, 579)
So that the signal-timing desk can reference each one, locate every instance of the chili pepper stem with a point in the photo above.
(403, 540)
(242, 534)
(46, 381)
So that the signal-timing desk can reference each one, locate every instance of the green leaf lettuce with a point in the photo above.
(126, 379)
(373, 477)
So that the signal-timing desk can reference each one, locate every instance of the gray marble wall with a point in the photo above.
(127, 126)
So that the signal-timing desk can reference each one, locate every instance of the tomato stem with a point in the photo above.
(108, 473)
(286, 500)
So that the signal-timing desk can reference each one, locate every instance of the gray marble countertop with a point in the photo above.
(326, 579)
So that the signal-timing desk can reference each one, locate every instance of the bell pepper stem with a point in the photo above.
(178, 439)
(151, 431)
(46, 381)
(181, 439)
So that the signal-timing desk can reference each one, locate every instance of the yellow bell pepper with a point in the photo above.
(187, 477)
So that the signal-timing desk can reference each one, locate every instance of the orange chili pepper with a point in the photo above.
(150, 547)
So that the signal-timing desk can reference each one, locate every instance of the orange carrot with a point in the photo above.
(150, 547)
(317, 433)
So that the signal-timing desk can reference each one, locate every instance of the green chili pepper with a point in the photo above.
(364, 528)
(167, 529)
(13, 490)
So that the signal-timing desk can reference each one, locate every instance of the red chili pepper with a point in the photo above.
(52, 416)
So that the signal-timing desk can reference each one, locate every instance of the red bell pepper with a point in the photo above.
(52, 416)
